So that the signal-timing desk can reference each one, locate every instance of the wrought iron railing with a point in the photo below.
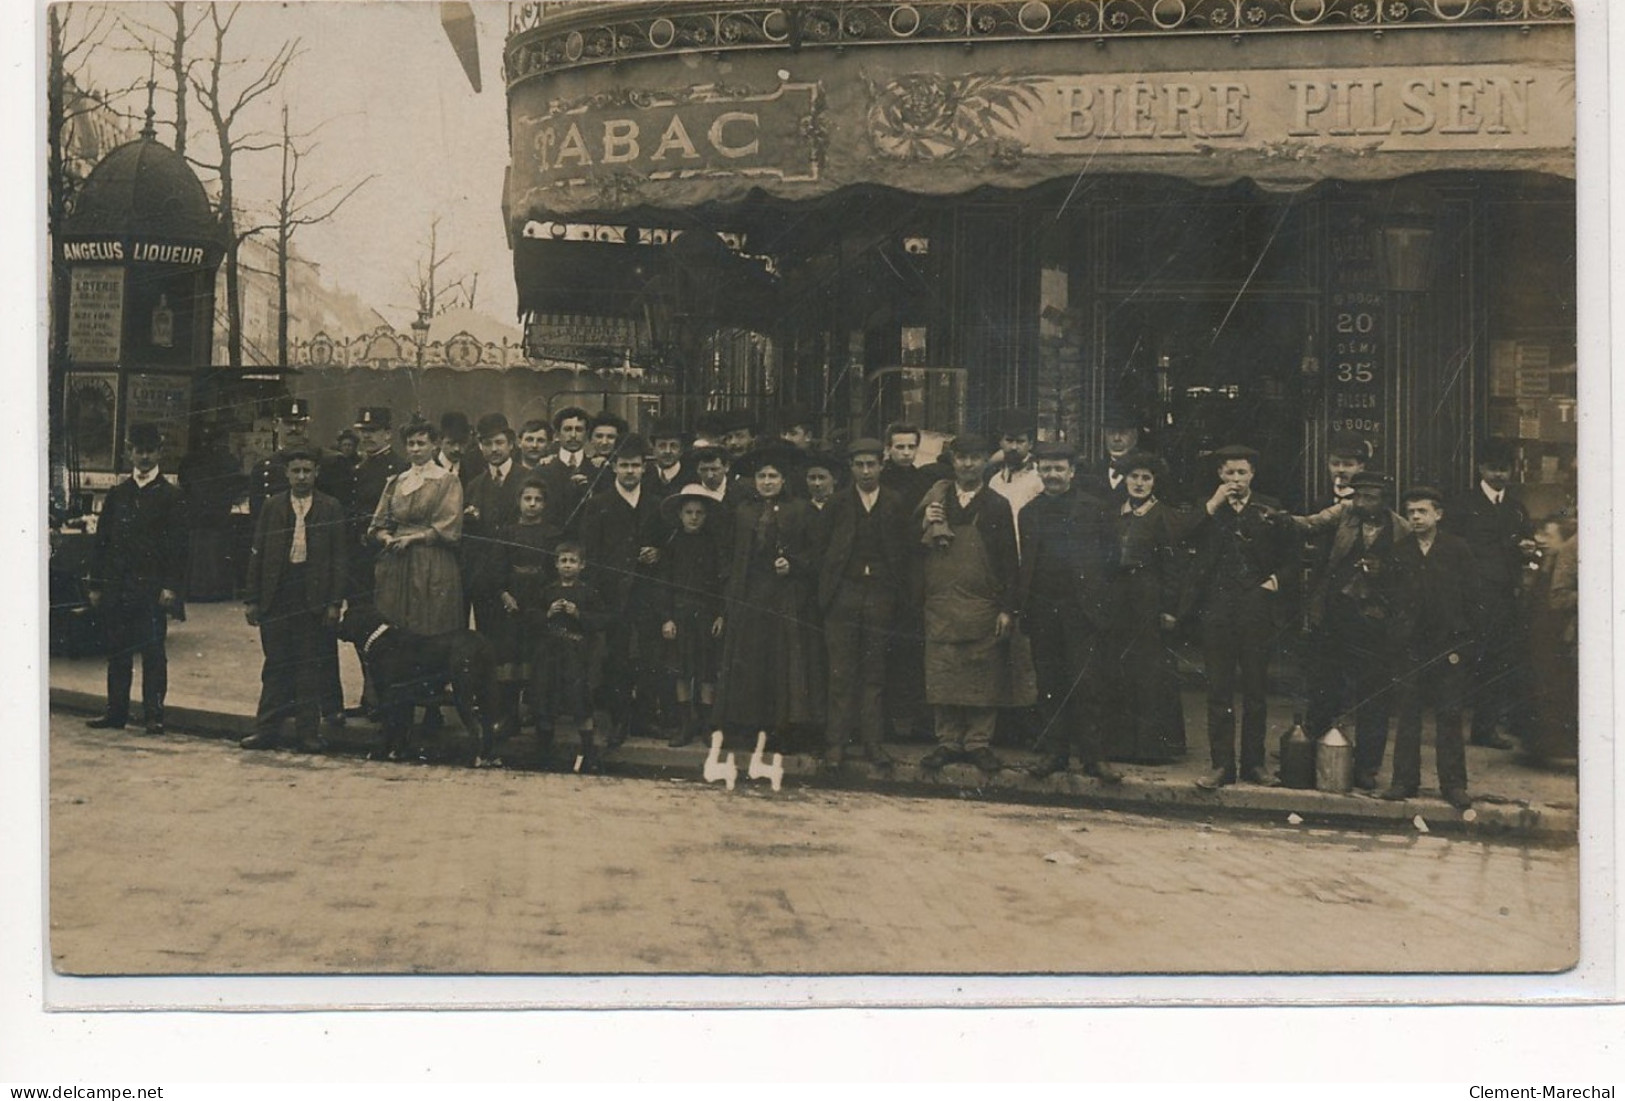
(545, 37)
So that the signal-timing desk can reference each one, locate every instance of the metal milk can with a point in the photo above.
(1334, 762)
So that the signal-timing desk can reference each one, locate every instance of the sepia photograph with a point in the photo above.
(828, 489)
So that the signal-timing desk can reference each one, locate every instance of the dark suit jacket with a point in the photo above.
(1437, 597)
(326, 551)
(1337, 552)
(835, 528)
(651, 479)
(141, 541)
(1492, 533)
(612, 533)
(1268, 547)
(1066, 552)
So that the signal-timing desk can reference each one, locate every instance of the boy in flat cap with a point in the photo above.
(1438, 627)
(137, 571)
(296, 581)
(1013, 474)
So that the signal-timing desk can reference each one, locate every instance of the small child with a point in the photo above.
(567, 661)
(689, 603)
(521, 562)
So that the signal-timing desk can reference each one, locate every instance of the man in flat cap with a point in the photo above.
(1066, 550)
(1351, 618)
(973, 665)
(1243, 547)
(866, 557)
(137, 573)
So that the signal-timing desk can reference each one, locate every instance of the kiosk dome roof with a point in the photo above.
(143, 188)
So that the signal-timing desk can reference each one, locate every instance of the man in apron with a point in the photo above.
(975, 661)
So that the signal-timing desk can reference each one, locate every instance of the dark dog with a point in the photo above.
(406, 669)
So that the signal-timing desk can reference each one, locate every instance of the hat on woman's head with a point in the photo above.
(781, 457)
(1134, 460)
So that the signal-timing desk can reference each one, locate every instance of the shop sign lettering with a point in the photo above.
(1281, 113)
(701, 133)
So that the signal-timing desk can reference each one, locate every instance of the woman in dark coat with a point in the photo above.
(1146, 721)
(771, 678)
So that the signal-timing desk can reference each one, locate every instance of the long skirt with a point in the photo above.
(420, 589)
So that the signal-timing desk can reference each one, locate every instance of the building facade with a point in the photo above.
(1255, 221)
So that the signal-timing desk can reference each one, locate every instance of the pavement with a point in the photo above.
(215, 660)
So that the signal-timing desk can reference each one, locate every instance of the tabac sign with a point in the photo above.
(970, 121)
(708, 131)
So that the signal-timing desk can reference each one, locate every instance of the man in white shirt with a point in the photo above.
(1013, 475)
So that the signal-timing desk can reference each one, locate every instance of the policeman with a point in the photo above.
(291, 430)
(377, 465)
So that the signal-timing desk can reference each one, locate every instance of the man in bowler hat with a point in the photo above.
(137, 571)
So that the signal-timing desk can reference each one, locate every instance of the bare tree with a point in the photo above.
(298, 206)
(434, 292)
(155, 41)
(225, 110)
(74, 33)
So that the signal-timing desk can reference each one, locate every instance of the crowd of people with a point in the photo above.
(675, 583)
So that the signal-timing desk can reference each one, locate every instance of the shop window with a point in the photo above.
(1533, 372)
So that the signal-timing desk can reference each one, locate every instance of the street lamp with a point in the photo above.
(420, 336)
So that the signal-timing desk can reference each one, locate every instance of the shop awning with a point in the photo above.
(1285, 110)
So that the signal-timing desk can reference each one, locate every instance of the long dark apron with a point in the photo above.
(965, 665)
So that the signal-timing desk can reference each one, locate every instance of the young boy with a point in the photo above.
(1438, 629)
(689, 602)
(574, 620)
(521, 565)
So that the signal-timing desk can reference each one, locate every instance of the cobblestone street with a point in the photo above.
(181, 855)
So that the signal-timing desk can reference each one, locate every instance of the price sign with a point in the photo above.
(1356, 324)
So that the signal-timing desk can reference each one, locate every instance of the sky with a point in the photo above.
(392, 101)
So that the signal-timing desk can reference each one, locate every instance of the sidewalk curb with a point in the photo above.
(650, 759)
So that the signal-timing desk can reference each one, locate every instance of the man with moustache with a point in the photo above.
(1066, 549)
